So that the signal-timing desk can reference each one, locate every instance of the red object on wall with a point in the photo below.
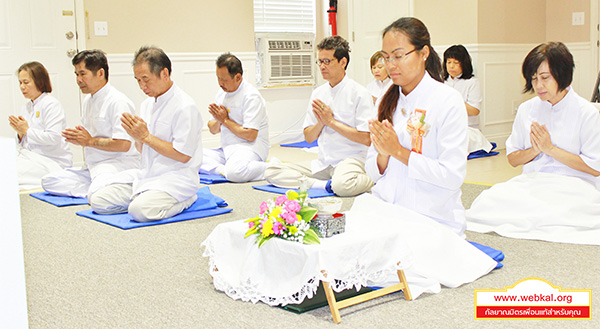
(332, 16)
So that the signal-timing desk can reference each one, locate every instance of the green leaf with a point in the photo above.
(263, 240)
(251, 231)
(311, 237)
(253, 219)
(307, 213)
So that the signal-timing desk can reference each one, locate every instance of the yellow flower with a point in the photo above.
(267, 228)
(275, 213)
(292, 195)
(292, 229)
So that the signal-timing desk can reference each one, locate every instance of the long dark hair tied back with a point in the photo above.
(418, 36)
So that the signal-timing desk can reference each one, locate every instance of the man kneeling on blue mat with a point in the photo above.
(168, 136)
(338, 114)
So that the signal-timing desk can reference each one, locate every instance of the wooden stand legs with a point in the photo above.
(335, 306)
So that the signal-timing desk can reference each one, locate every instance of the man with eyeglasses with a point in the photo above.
(338, 115)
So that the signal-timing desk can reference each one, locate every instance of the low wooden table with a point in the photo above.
(281, 272)
(335, 306)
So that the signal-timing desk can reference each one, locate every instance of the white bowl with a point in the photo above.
(326, 206)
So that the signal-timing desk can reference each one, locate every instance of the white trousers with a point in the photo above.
(243, 165)
(348, 178)
(31, 167)
(146, 206)
(83, 182)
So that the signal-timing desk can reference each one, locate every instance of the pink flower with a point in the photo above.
(250, 224)
(290, 217)
(263, 207)
(292, 206)
(277, 228)
(280, 200)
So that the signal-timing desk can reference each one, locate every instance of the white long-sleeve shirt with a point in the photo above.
(46, 119)
(352, 105)
(247, 108)
(574, 126)
(379, 88)
(174, 118)
(430, 184)
(471, 94)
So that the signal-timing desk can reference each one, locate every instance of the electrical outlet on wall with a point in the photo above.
(101, 29)
(578, 18)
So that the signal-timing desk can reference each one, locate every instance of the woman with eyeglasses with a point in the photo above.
(382, 81)
(418, 152)
(42, 149)
(417, 159)
(556, 138)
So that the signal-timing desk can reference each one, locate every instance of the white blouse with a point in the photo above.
(46, 119)
(574, 126)
(471, 94)
(430, 184)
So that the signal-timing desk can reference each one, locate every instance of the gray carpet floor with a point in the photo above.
(84, 274)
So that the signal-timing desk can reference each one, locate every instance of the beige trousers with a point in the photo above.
(348, 178)
(147, 206)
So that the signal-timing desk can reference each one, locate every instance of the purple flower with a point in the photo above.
(263, 207)
(277, 228)
(292, 206)
(280, 200)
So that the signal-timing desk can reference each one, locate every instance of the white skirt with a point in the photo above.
(477, 141)
(540, 206)
(380, 238)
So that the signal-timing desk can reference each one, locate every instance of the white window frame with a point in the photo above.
(285, 16)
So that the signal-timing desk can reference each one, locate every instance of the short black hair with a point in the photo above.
(155, 57)
(560, 62)
(339, 44)
(233, 64)
(460, 53)
(94, 60)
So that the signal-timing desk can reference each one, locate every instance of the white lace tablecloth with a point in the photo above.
(378, 236)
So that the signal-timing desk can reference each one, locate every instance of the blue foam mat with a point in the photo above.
(59, 201)
(481, 154)
(207, 205)
(212, 179)
(125, 221)
(312, 192)
(302, 144)
(495, 254)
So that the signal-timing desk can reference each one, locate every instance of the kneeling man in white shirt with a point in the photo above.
(168, 137)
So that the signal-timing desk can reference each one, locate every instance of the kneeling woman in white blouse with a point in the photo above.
(556, 138)
(42, 148)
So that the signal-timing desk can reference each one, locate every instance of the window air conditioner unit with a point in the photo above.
(285, 59)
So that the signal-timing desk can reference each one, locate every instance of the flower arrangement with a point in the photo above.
(418, 128)
(284, 217)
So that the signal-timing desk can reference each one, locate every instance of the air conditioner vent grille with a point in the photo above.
(291, 66)
(284, 45)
